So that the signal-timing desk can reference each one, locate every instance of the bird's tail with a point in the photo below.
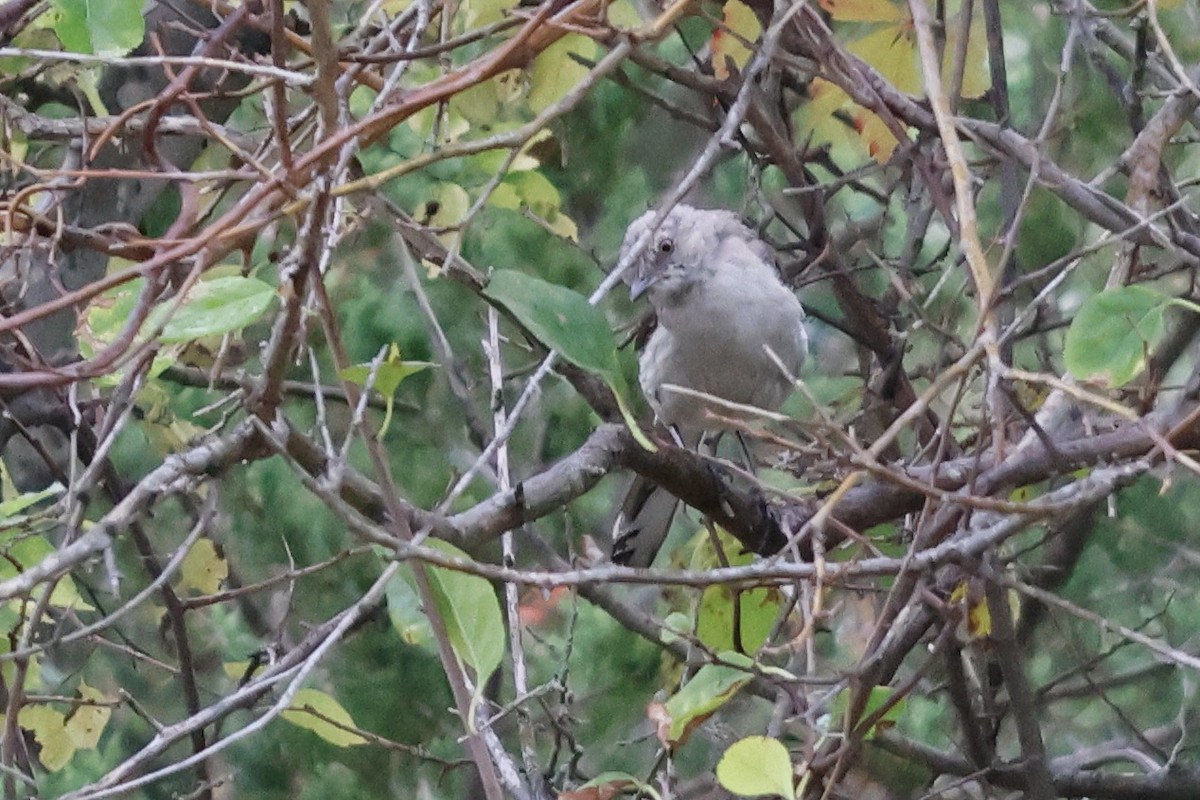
(642, 524)
(646, 512)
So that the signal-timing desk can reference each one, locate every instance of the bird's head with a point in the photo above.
(677, 254)
(662, 267)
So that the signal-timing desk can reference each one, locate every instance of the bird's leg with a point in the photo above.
(746, 453)
(677, 437)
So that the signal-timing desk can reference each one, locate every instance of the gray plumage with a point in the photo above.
(721, 307)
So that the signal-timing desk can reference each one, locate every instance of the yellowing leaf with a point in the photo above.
(757, 765)
(203, 568)
(49, 731)
(318, 712)
(445, 207)
(477, 104)
(979, 620)
(555, 73)
(485, 12)
(711, 687)
(741, 25)
(750, 613)
(526, 160)
(452, 128)
(505, 196)
(891, 48)
(865, 10)
(564, 226)
(537, 192)
(624, 14)
(819, 121)
(87, 722)
(235, 669)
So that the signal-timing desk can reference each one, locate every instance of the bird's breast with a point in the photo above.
(717, 344)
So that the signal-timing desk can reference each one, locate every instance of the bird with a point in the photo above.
(729, 334)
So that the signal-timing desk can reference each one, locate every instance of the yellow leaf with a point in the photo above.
(87, 722)
(741, 25)
(892, 51)
(48, 729)
(818, 120)
(875, 134)
(979, 620)
(320, 713)
(203, 568)
(976, 77)
(865, 10)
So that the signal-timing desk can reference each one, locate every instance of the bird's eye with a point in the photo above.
(666, 246)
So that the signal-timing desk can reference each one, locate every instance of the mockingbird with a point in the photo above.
(728, 334)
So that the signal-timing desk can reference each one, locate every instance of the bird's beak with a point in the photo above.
(640, 283)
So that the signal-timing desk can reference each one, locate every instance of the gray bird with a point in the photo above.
(722, 312)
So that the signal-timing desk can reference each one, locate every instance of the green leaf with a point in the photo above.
(711, 687)
(320, 713)
(27, 550)
(559, 318)
(676, 626)
(211, 308)
(880, 697)
(14, 506)
(388, 377)
(214, 307)
(1111, 335)
(102, 27)
(757, 765)
(471, 613)
(405, 613)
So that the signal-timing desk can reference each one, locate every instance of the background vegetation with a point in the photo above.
(313, 401)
